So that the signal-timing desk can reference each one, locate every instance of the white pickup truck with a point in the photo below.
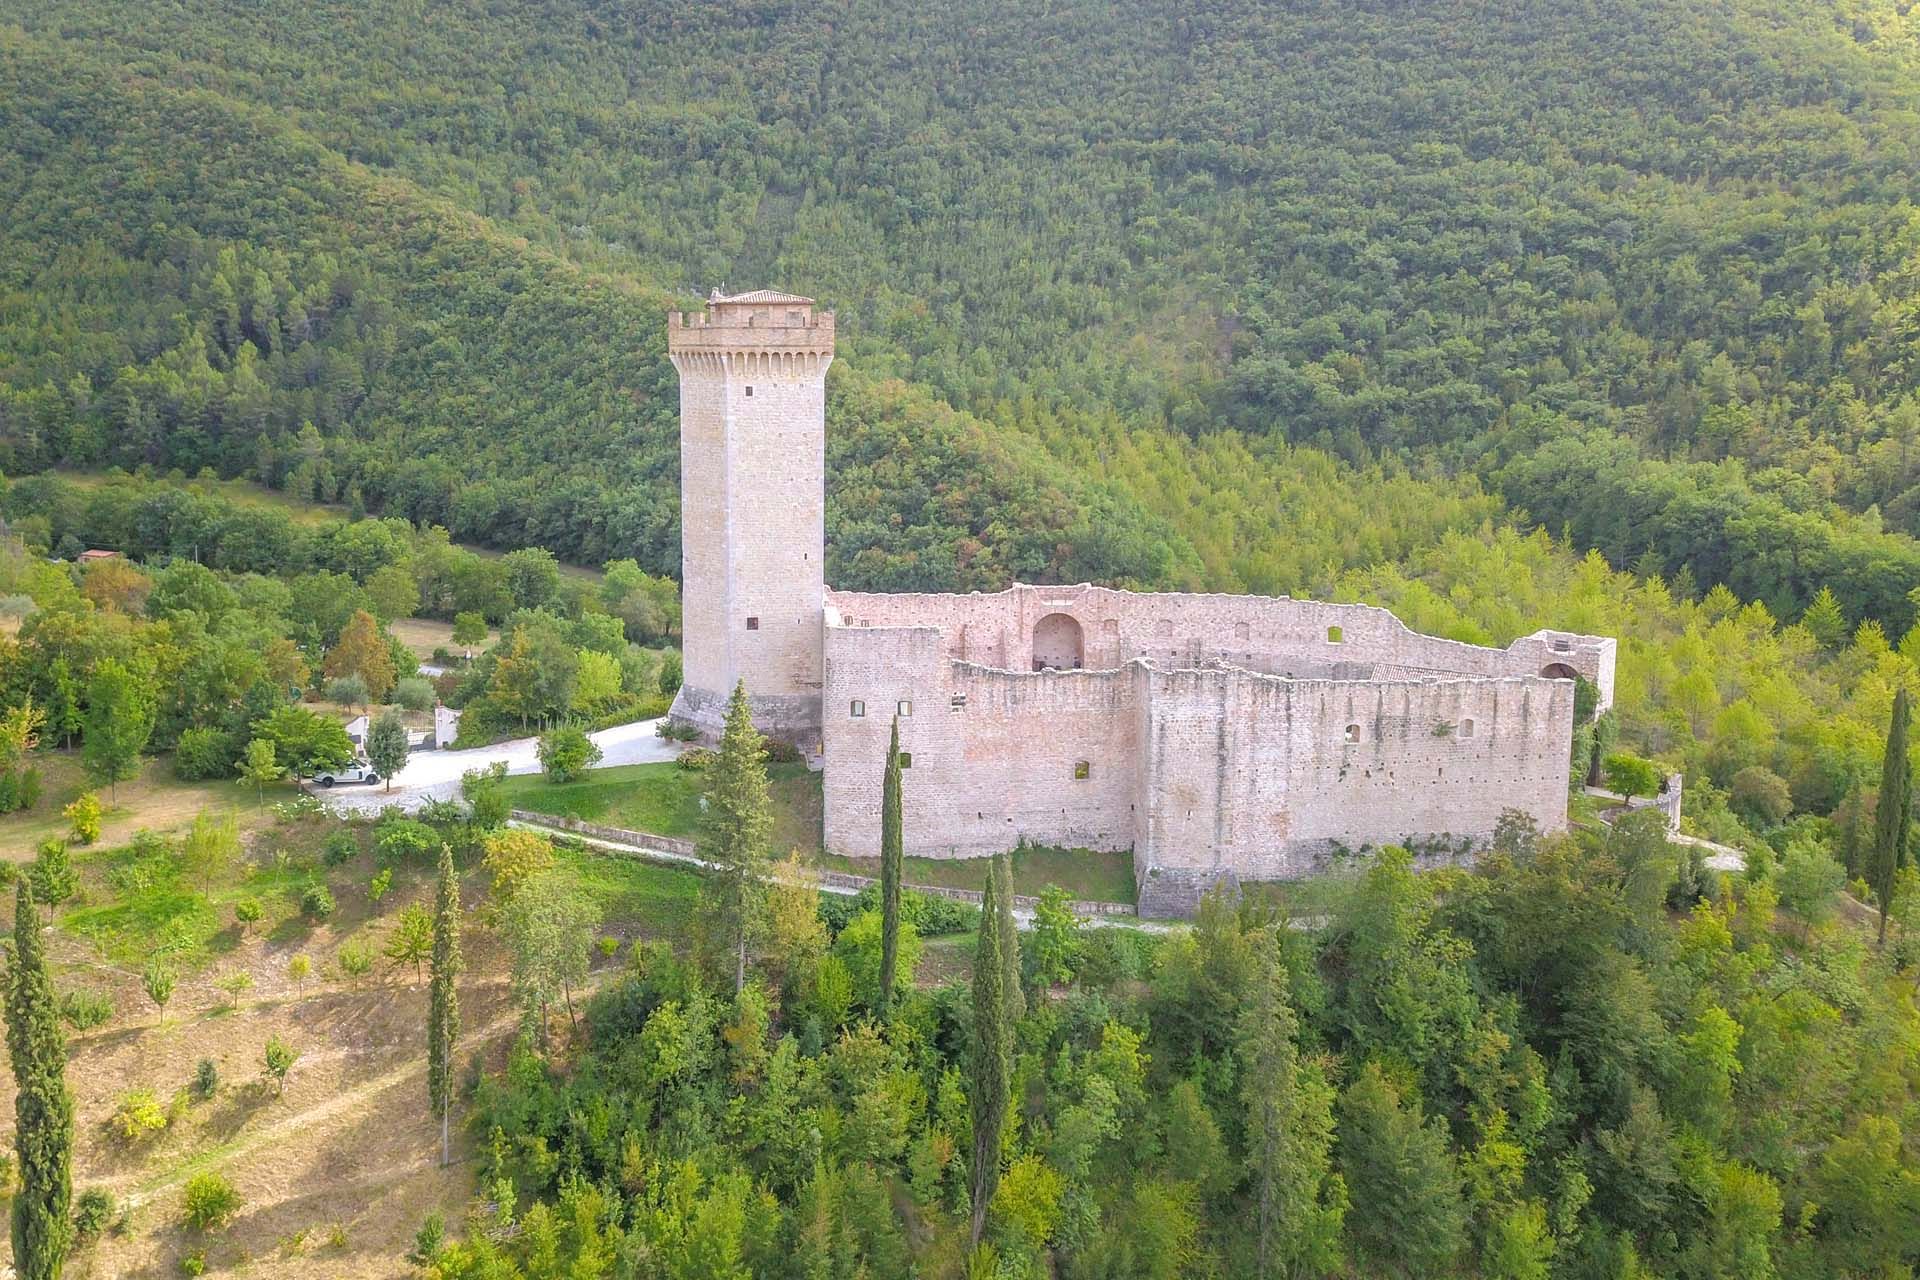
(358, 771)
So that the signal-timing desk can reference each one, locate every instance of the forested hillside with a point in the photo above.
(1647, 270)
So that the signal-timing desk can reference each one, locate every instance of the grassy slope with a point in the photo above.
(664, 800)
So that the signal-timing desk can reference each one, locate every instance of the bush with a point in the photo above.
(566, 753)
(247, 912)
(316, 901)
(697, 760)
(340, 849)
(206, 1080)
(83, 817)
(404, 840)
(84, 1010)
(92, 1212)
(52, 873)
(415, 693)
(779, 752)
(209, 1202)
(203, 753)
(137, 1114)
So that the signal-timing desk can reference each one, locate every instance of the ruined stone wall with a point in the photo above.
(996, 756)
(1301, 639)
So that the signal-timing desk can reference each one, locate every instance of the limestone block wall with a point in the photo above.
(753, 519)
(1265, 777)
(995, 755)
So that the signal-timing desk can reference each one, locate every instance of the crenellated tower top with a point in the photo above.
(764, 322)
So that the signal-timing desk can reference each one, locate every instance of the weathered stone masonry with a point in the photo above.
(1215, 736)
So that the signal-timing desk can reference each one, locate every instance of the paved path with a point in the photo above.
(435, 775)
(1720, 857)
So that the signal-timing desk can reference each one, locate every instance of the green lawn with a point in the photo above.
(664, 800)
(644, 897)
(1083, 873)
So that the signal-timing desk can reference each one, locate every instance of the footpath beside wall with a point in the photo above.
(844, 881)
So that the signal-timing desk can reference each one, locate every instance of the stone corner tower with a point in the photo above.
(753, 417)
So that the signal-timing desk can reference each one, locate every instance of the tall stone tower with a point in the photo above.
(753, 415)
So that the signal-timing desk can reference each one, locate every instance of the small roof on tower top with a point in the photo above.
(763, 297)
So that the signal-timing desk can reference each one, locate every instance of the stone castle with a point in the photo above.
(1215, 736)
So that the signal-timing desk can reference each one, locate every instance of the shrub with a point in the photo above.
(92, 1211)
(206, 1080)
(341, 848)
(696, 760)
(403, 839)
(203, 753)
(779, 752)
(566, 753)
(316, 901)
(247, 913)
(193, 1262)
(84, 1010)
(299, 969)
(378, 887)
(609, 946)
(83, 815)
(137, 1114)
(415, 693)
(356, 959)
(209, 1202)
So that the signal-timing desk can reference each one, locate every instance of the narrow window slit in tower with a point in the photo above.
(753, 624)
(749, 391)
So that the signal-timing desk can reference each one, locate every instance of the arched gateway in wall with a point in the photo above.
(1559, 671)
(1057, 643)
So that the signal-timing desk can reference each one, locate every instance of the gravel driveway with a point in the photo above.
(435, 775)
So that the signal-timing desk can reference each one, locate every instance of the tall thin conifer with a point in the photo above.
(891, 868)
(42, 1106)
(1015, 994)
(443, 1010)
(1893, 813)
(991, 1066)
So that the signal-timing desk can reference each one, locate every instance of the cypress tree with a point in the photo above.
(1015, 994)
(42, 1107)
(890, 871)
(1893, 813)
(990, 1068)
(738, 823)
(1298, 1202)
(443, 1011)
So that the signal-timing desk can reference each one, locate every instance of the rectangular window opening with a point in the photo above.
(749, 392)
(1336, 636)
(1082, 770)
(906, 759)
(959, 702)
(904, 709)
(857, 709)
(753, 624)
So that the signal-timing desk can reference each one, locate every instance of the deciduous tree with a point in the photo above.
(119, 720)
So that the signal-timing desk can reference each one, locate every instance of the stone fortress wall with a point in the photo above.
(1215, 736)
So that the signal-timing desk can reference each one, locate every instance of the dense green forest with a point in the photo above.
(1648, 271)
